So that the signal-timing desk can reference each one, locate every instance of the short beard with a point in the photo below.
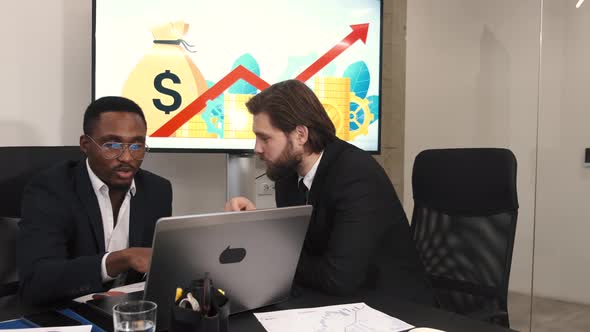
(285, 164)
(120, 187)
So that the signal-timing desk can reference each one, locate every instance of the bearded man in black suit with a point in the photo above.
(358, 239)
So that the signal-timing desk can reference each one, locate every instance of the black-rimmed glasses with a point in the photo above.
(113, 150)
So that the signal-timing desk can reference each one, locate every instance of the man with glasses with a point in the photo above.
(88, 225)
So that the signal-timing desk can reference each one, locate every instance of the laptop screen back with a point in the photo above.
(251, 255)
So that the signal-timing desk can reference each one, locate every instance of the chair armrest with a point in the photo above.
(496, 316)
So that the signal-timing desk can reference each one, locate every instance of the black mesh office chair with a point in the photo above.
(19, 164)
(463, 224)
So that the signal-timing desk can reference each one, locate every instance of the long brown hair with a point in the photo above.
(290, 104)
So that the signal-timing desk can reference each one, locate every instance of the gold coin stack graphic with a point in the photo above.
(237, 121)
(195, 128)
(334, 94)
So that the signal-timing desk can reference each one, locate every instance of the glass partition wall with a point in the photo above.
(472, 80)
(514, 74)
(561, 295)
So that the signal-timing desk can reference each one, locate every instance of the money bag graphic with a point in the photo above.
(166, 80)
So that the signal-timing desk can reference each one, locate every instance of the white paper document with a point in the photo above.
(131, 288)
(123, 289)
(81, 328)
(355, 317)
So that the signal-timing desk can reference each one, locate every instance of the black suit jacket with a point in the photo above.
(358, 237)
(61, 241)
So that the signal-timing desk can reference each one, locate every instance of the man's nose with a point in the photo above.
(258, 148)
(126, 154)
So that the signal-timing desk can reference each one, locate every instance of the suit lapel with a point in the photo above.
(331, 153)
(137, 214)
(89, 201)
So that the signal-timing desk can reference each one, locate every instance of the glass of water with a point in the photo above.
(135, 316)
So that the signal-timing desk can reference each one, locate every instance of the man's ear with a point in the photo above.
(84, 144)
(302, 134)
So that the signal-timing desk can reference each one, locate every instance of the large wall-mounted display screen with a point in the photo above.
(192, 64)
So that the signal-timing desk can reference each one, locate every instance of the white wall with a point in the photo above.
(45, 65)
(562, 262)
(471, 81)
(46, 70)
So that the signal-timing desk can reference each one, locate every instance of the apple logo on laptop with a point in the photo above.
(232, 255)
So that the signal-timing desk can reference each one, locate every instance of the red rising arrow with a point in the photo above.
(359, 31)
(240, 72)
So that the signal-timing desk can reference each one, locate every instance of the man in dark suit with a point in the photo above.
(358, 238)
(88, 225)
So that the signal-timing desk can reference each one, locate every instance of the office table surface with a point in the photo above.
(417, 315)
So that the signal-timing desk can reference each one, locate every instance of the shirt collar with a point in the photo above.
(100, 186)
(308, 178)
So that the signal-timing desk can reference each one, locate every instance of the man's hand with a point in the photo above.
(137, 259)
(239, 204)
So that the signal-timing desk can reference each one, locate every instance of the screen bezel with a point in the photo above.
(246, 151)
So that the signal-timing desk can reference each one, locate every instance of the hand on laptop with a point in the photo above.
(239, 204)
(137, 259)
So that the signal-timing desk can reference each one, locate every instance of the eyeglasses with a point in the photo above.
(113, 150)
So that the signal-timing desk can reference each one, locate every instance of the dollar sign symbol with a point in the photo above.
(167, 75)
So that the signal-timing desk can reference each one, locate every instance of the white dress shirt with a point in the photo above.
(308, 178)
(117, 237)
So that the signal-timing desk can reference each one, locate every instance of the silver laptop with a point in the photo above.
(251, 255)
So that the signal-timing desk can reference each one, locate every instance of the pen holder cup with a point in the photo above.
(187, 320)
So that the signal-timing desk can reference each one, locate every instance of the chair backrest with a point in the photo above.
(20, 164)
(463, 224)
(8, 275)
